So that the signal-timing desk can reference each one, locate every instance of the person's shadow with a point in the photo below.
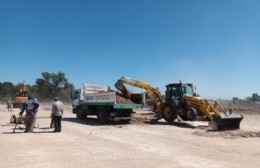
(93, 121)
(20, 129)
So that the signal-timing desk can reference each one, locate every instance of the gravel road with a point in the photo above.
(85, 143)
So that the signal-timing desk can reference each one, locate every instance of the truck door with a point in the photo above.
(76, 97)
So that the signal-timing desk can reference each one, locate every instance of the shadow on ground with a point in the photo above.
(92, 121)
(20, 129)
(40, 132)
(11, 132)
(180, 125)
(22, 132)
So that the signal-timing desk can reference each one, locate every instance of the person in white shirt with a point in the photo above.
(57, 112)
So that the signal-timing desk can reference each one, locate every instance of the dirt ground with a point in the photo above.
(85, 143)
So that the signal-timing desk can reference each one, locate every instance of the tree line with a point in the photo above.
(46, 87)
(254, 98)
(50, 85)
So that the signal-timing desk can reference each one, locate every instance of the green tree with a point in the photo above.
(255, 97)
(235, 99)
(7, 89)
(53, 84)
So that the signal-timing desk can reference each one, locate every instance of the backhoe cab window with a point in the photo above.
(187, 89)
(173, 93)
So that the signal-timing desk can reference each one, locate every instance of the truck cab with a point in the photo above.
(77, 97)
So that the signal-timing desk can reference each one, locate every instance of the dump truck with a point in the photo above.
(181, 101)
(102, 102)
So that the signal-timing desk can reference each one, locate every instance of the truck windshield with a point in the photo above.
(187, 89)
(75, 95)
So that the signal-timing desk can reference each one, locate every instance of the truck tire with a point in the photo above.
(103, 115)
(80, 114)
(169, 113)
(129, 113)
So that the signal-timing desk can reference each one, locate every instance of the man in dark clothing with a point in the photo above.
(57, 112)
(30, 107)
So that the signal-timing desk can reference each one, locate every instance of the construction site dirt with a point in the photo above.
(139, 144)
(122, 100)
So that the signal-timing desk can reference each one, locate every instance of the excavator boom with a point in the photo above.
(153, 92)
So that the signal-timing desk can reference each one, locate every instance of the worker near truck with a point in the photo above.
(56, 114)
(31, 108)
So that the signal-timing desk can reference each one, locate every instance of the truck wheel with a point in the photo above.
(80, 114)
(169, 113)
(103, 115)
(129, 113)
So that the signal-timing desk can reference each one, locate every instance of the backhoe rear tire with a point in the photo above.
(169, 113)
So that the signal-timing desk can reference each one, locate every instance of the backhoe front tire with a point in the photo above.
(169, 113)
(190, 115)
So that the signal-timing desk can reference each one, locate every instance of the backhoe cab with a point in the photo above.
(175, 95)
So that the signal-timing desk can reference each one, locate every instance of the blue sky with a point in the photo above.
(214, 44)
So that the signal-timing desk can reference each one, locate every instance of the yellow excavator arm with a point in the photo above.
(151, 91)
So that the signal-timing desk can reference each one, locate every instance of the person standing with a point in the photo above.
(31, 108)
(56, 114)
(9, 105)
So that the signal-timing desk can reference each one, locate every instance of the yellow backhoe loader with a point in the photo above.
(21, 96)
(180, 100)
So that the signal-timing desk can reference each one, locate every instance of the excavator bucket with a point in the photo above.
(229, 122)
(120, 86)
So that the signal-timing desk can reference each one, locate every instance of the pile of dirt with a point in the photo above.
(228, 134)
(122, 100)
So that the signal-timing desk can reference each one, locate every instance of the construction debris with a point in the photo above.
(122, 100)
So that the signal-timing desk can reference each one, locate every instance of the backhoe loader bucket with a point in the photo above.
(230, 122)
